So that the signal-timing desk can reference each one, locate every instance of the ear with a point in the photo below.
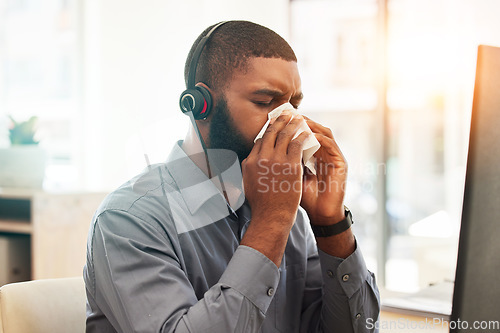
(201, 84)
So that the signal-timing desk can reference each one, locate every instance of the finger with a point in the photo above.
(254, 153)
(318, 128)
(295, 146)
(269, 137)
(329, 159)
(286, 135)
(256, 147)
(329, 145)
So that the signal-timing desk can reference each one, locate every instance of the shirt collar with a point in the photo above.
(195, 187)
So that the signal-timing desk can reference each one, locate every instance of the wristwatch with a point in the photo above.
(334, 229)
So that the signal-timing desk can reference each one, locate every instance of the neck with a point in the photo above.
(193, 148)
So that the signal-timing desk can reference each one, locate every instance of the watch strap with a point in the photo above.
(333, 229)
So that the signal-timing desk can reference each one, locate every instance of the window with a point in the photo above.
(402, 121)
(39, 75)
(335, 43)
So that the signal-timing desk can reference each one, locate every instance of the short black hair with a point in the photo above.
(229, 48)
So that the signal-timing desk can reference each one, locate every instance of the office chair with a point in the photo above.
(43, 306)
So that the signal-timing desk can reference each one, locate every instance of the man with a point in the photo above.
(182, 249)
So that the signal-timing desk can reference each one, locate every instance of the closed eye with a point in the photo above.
(262, 103)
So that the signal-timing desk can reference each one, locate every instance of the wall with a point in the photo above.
(133, 60)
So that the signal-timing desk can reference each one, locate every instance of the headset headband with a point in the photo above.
(196, 56)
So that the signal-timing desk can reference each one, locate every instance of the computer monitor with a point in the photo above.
(476, 297)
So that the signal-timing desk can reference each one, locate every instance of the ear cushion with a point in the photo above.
(207, 106)
(197, 100)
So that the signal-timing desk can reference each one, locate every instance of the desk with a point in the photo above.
(392, 322)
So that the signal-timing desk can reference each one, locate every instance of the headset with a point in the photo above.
(197, 100)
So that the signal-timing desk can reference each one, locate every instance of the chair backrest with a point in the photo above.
(53, 305)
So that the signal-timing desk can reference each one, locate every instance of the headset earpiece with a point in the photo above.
(197, 100)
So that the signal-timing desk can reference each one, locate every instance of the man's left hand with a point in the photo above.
(323, 193)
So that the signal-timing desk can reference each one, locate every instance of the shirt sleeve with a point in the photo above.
(341, 294)
(139, 285)
(349, 290)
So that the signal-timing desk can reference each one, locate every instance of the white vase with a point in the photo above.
(22, 166)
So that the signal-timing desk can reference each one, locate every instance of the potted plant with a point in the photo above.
(23, 163)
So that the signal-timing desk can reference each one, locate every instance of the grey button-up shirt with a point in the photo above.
(163, 255)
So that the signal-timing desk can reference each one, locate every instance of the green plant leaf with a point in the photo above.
(22, 133)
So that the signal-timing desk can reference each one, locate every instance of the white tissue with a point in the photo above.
(311, 145)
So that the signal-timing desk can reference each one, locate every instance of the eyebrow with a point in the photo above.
(276, 93)
(269, 92)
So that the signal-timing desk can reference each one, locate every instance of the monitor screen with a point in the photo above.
(476, 298)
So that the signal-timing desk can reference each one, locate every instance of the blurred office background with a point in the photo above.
(392, 78)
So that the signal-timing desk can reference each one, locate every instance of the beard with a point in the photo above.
(224, 134)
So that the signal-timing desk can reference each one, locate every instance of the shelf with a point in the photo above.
(16, 226)
(17, 193)
(56, 226)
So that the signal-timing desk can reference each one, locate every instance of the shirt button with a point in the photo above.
(329, 273)
(345, 278)
(358, 316)
(270, 291)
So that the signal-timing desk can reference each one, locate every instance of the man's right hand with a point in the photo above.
(272, 178)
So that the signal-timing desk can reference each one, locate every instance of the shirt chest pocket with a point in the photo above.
(288, 299)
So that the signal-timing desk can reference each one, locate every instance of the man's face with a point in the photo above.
(242, 110)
